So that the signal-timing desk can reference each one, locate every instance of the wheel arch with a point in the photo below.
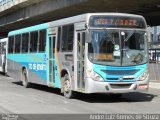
(65, 71)
(62, 74)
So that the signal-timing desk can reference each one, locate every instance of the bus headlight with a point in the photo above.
(143, 76)
(95, 76)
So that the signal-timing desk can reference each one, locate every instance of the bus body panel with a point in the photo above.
(110, 73)
(105, 87)
(34, 63)
(120, 79)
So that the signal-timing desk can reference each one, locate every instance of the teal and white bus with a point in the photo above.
(89, 53)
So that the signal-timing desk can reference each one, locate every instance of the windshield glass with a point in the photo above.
(118, 47)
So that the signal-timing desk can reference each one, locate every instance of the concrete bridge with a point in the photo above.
(15, 14)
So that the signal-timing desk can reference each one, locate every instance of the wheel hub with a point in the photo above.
(67, 86)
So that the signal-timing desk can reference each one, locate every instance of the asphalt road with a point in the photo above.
(14, 98)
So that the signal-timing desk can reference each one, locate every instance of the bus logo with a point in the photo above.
(121, 79)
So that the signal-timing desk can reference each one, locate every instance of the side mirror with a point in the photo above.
(88, 38)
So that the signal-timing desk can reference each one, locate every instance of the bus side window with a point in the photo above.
(67, 38)
(25, 41)
(4, 48)
(17, 43)
(11, 44)
(42, 41)
(33, 41)
(0, 48)
(59, 38)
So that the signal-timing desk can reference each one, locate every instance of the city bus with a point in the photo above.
(3, 52)
(88, 53)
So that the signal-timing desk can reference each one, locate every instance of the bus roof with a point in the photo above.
(29, 29)
(65, 21)
(4, 40)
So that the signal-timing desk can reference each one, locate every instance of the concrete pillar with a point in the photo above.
(155, 39)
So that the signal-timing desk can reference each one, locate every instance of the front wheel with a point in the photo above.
(67, 92)
(25, 79)
(4, 69)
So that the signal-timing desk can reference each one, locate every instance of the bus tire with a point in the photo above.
(67, 92)
(25, 82)
(4, 70)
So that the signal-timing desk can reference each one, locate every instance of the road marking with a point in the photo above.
(66, 102)
(155, 101)
(6, 78)
(154, 85)
(10, 78)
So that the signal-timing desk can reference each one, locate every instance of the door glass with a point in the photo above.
(80, 58)
(50, 48)
(53, 50)
(83, 44)
(78, 45)
(51, 59)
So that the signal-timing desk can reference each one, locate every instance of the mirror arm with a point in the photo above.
(88, 39)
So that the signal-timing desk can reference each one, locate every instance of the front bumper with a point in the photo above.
(116, 87)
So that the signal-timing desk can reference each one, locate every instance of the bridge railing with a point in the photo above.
(6, 2)
(154, 66)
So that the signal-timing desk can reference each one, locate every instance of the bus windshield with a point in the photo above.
(118, 47)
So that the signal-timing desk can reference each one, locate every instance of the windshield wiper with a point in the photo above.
(137, 59)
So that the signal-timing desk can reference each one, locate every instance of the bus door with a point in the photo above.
(80, 54)
(51, 59)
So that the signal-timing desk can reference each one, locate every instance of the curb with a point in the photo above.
(154, 85)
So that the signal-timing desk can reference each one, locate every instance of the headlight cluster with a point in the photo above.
(95, 76)
(143, 76)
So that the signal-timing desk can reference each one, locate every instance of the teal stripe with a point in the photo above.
(35, 57)
(29, 29)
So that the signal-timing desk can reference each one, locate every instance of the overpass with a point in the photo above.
(15, 14)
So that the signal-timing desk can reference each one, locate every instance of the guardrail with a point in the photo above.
(154, 66)
(154, 70)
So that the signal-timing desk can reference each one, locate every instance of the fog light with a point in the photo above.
(107, 88)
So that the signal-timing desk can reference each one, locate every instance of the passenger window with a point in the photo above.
(11, 44)
(42, 40)
(1, 48)
(17, 43)
(67, 38)
(33, 41)
(59, 38)
(25, 40)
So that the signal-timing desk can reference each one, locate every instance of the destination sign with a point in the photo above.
(117, 21)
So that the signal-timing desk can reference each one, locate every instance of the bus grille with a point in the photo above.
(119, 79)
(120, 86)
(120, 72)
